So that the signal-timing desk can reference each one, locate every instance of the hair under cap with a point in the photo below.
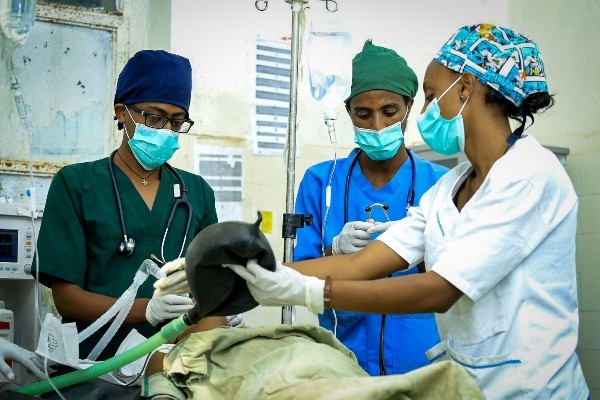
(380, 68)
(507, 61)
(155, 76)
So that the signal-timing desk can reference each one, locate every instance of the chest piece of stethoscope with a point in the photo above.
(384, 208)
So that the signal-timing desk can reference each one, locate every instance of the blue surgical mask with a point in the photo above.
(152, 147)
(444, 136)
(383, 144)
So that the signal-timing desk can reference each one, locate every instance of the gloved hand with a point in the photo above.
(175, 280)
(282, 287)
(236, 321)
(381, 226)
(353, 237)
(163, 308)
(28, 359)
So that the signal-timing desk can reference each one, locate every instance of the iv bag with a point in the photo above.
(329, 64)
(16, 19)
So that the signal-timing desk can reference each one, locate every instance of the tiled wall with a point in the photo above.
(585, 174)
(574, 123)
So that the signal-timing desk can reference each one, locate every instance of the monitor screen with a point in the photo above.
(9, 245)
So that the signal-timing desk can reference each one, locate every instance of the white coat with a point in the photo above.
(511, 251)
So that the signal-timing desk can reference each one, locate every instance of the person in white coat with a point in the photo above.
(496, 233)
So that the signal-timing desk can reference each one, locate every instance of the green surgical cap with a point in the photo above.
(380, 68)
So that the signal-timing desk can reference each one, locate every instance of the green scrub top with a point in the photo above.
(80, 234)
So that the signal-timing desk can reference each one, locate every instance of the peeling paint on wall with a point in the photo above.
(65, 73)
(13, 188)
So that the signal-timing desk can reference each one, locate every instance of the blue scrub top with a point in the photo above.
(408, 336)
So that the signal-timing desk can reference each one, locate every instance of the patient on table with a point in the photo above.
(275, 362)
(284, 362)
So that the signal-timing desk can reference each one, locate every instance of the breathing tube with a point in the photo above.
(121, 308)
(166, 334)
(223, 293)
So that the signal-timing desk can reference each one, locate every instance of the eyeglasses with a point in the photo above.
(179, 125)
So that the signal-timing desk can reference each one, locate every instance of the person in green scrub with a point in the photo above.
(103, 218)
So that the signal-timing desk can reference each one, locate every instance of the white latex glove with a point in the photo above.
(282, 287)
(174, 281)
(236, 321)
(353, 237)
(167, 307)
(381, 226)
(28, 359)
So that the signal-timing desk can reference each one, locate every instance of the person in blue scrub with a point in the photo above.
(370, 190)
(103, 218)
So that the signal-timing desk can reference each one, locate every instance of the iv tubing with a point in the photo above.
(166, 334)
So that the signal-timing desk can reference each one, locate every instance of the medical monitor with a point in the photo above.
(17, 237)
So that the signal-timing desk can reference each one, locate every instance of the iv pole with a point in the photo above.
(292, 221)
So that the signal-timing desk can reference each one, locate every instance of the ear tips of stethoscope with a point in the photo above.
(383, 206)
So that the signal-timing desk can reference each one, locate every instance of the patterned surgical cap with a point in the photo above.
(507, 61)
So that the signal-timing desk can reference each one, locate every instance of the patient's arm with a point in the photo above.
(204, 324)
(156, 385)
(155, 364)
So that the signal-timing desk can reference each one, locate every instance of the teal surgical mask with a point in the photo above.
(444, 136)
(383, 144)
(152, 147)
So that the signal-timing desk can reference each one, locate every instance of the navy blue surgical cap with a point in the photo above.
(155, 76)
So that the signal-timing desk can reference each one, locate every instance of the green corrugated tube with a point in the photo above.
(167, 333)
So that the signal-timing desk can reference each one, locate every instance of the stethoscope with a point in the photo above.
(410, 198)
(127, 245)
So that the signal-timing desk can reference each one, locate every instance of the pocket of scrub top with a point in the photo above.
(500, 374)
(344, 318)
(477, 323)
